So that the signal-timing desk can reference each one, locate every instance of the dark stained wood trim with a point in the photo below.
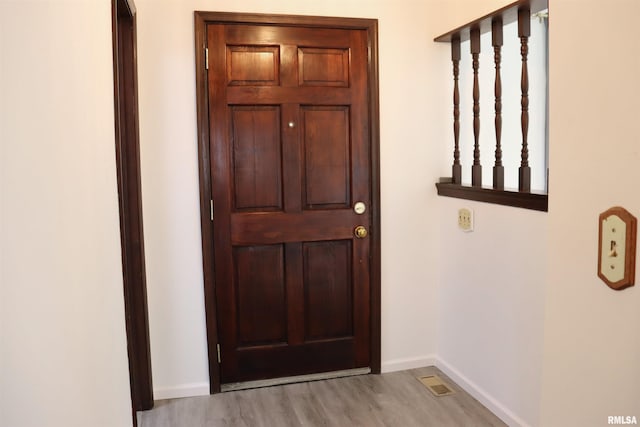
(508, 13)
(476, 168)
(202, 19)
(497, 42)
(456, 168)
(131, 8)
(533, 201)
(524, 32)
(376, 257)
(202, 108)
(291, 20)
(127, 147)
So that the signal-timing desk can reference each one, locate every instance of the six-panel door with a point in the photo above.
(290, 157)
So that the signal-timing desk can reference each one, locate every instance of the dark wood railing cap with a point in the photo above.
(508, 13)
(537, 201)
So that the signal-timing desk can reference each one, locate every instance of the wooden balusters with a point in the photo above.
(455, 58)
(518, 11)
(476, 169)
(496, 41)
(524, 31)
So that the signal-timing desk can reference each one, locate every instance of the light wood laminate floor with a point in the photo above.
(393, 399)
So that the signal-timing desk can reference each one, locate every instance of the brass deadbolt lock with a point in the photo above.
(360, 232)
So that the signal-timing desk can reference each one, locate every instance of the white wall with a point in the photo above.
(491, 298)
(411, 73)
(592, 333)
(491, 306)
(63, 358)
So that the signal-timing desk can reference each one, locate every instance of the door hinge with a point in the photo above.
(206, 58)
(218, 348)
(211, 208)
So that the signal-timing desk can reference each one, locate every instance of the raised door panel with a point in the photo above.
(328, 290)
(260, 295)
(253, 65)
(257, 158)
(327, 159)
(323, 67)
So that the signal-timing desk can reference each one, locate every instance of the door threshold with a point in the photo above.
(295, 379)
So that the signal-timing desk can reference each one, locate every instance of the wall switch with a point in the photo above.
(617, 248)
(465, 219)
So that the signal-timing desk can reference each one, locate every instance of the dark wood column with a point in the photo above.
(524, 31)
(455, 58)
(476, 169)
(496, 39)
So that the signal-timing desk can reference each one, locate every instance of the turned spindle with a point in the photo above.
(476, 169)
(524, 31)
(455, 58)
(496, 41)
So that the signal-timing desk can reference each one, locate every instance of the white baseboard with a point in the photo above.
(407, 363)
(481, 395)
(182, 390)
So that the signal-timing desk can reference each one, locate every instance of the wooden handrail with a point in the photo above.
(508, 13)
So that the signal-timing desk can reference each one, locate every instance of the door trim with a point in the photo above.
(127, 149)
(202, 19)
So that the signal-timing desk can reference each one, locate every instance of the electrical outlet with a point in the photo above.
(465, 219)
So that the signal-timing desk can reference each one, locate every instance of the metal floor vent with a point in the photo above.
(435, 384)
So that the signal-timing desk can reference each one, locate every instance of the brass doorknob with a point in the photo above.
(360, 232)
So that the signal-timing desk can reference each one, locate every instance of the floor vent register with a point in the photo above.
(435, 384)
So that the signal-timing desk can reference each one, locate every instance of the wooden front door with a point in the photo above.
(290, 161)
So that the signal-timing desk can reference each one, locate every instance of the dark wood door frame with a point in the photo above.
(130, 203)
(202, 19)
